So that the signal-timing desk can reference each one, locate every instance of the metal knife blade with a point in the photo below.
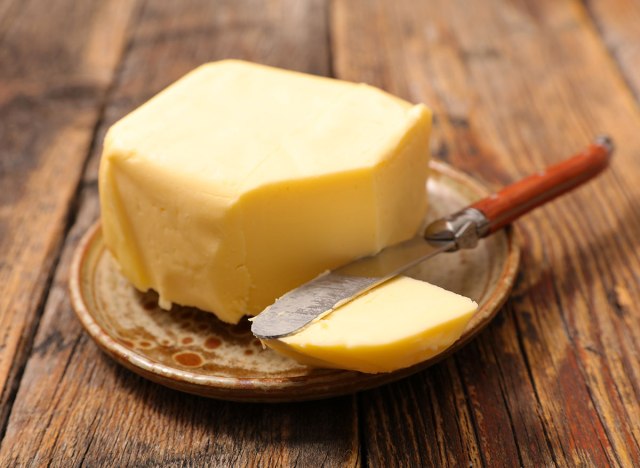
(318, 297)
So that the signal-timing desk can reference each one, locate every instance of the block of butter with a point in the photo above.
(240, 182)
(396, 325)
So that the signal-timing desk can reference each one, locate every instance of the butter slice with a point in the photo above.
(396, 325)
(240, 182)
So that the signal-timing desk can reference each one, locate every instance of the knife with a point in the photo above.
(461, 230)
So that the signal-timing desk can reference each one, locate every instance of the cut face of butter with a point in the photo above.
(240, 182)
(396, 325)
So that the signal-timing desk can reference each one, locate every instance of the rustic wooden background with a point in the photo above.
(516, 84)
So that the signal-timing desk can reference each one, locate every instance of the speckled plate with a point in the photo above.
(190, 350)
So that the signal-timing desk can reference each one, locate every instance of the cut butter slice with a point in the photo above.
(396, 325)
(240, 182)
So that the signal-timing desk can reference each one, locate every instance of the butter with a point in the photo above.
(396, 325)
(240, 182)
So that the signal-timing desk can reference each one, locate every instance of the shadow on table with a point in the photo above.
(582, 264)
(307, 431)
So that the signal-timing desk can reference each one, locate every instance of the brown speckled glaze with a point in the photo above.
(192, 351)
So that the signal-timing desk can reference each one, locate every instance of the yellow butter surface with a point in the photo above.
(240, 182)
(396, 325)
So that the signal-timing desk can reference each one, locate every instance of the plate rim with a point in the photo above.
(323, 383)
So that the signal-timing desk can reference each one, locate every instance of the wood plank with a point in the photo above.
(617, 21)
(74, 405)
(51, 88)
(517, 85)
(431, 404)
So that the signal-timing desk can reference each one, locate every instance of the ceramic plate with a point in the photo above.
(190, 350)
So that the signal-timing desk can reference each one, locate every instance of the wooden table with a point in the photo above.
(516, 85)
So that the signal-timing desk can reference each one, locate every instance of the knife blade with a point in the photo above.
(316, 298)
(463, 229)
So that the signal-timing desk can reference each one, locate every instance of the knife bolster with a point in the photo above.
(464, 228)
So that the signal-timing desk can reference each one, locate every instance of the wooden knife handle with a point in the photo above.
(519, 198)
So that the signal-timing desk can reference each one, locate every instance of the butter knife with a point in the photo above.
(461, 230)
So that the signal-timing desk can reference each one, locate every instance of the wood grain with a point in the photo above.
(75, 406)
(51, 89)
(617, 21)
(517, 85)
